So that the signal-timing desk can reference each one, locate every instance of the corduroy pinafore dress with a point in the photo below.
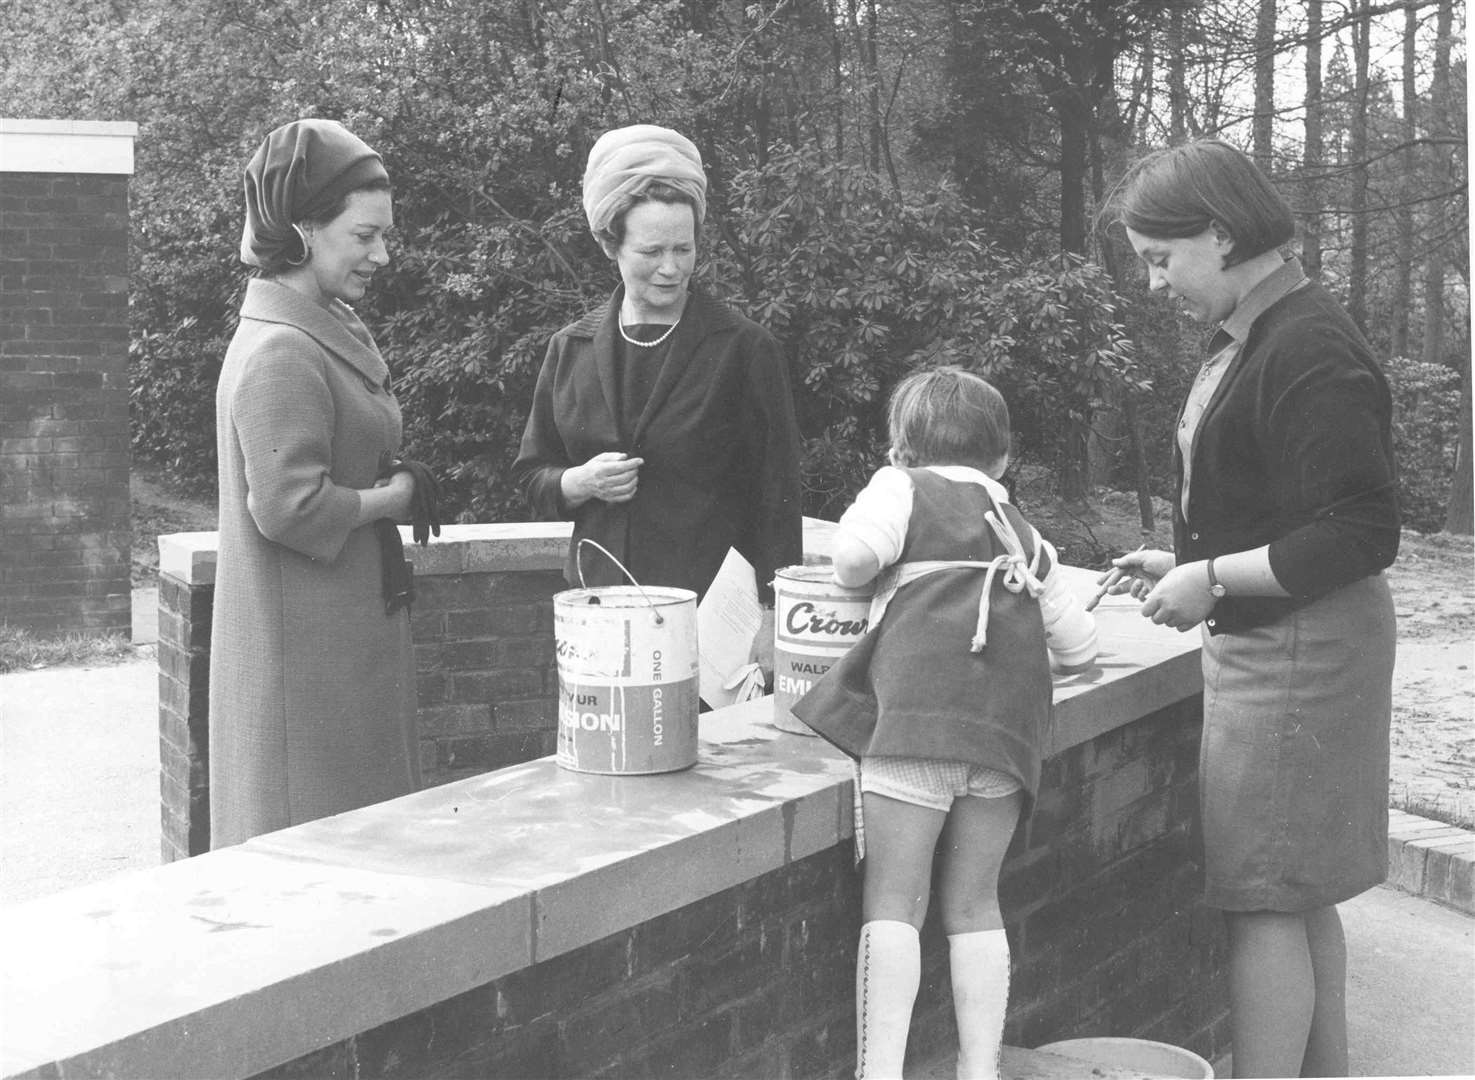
(911, 687)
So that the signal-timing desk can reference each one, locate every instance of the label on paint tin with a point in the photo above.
(794, 675)
(627, 729)
(811, 610)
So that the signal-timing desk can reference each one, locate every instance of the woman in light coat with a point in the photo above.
(312, 690)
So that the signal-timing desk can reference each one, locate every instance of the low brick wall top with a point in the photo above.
(459, 549)
(240, 960)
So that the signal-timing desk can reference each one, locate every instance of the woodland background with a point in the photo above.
(893, 184)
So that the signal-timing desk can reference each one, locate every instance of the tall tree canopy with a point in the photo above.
(892, 184)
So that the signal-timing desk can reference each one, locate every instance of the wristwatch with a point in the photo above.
(1216, 587)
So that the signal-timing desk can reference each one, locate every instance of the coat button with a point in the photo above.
(1212, 623)
(1193, 536)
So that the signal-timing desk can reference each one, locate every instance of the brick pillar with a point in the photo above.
(64, 443)
(184, 713)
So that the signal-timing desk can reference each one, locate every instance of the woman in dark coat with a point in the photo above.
(1286, 516)
(662, 422)
(312, 689)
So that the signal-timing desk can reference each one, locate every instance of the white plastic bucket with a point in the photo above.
(815, 622)
(627, 677)
(1140, 1055)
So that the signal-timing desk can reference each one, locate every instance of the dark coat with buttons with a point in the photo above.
(312, 689)
(717, 435)
(1295, 450)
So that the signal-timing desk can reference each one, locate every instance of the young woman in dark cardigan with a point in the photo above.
(1287, 513)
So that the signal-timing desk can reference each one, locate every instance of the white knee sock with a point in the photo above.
(888, 969)
(979, 963)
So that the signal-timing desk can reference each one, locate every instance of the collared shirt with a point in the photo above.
(1223, 348)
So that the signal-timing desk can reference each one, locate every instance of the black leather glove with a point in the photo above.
(425, 518)
(396, 575)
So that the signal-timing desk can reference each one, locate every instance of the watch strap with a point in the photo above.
(1216, 587)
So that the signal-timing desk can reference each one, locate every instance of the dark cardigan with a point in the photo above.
(718, 438)
(1295, 450)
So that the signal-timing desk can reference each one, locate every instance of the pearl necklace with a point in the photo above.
(647, 344)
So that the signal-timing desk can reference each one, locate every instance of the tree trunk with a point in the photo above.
(865, 51)
(1177, 78)
(837, 77)
(1460, 512)
(1459, 515)
(1110, 141)
(1137, 131)
(1264, 84)
(1074, 150)
(1312, 155)
(1404, 215)
(1357, 199)
(1139, 464)
(971, 165)
(1438, 167)
(878, 115)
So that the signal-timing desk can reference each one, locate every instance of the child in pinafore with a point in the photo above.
(944, 703)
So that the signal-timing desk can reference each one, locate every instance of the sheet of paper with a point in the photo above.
(727, 621)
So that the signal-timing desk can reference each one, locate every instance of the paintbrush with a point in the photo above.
(1111, 579)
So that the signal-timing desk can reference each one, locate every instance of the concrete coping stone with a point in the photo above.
(459, 549)
(326, 929)
(88, 147)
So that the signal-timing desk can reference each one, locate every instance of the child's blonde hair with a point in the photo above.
(948, 416)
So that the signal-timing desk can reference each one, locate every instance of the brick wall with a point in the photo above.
(534, 921)
(483, 631)
(1100, 895)
(754, 981)
(64, 441)
(487, 679)
(1100, 891)
(183, 652)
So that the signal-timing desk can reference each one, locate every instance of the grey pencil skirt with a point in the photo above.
(1293, 768)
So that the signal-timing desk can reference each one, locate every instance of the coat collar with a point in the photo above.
(702, 317)
(336, 329)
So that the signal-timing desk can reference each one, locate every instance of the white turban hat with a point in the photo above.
(626, 161)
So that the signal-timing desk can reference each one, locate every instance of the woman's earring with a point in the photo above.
(306, 247)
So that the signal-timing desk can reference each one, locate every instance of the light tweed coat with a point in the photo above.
(312, 690)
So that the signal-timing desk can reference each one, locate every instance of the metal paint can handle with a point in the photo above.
(579, 562)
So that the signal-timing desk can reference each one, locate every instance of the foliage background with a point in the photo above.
(891, 186)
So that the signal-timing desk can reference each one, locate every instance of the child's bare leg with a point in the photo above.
(977, 835)
(974, 842)
(900, 839)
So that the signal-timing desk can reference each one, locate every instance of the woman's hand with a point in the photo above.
(611, 477)
(1181, 599)
(388, 498)
(1136, 572)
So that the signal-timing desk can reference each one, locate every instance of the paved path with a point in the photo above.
(79, 776)
(79, 803)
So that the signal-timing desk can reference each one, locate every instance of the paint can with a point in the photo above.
(627, 678)
(1141, 1056)
(815, 622)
